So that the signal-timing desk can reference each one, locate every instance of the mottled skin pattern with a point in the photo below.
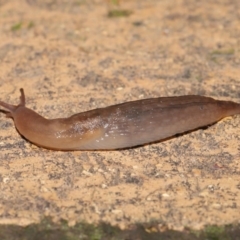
(122, 125)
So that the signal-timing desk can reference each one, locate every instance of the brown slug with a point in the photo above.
(119, 126)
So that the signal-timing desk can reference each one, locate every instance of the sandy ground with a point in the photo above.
(70, 56)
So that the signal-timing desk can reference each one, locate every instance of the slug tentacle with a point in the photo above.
(12, 108)
(22, 98)
(119, 126)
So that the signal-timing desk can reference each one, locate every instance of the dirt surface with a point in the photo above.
(72, 56)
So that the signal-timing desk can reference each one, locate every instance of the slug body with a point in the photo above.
(122, 125)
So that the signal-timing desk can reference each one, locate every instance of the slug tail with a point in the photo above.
(232, 108)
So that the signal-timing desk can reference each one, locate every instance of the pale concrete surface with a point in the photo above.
(70, 57)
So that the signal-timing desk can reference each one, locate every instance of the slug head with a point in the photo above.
(11, 109)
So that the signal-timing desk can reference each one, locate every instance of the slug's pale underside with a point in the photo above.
(119, 126)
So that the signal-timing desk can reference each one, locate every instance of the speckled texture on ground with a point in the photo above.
(70, 57)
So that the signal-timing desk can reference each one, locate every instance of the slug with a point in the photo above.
(119, 126)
